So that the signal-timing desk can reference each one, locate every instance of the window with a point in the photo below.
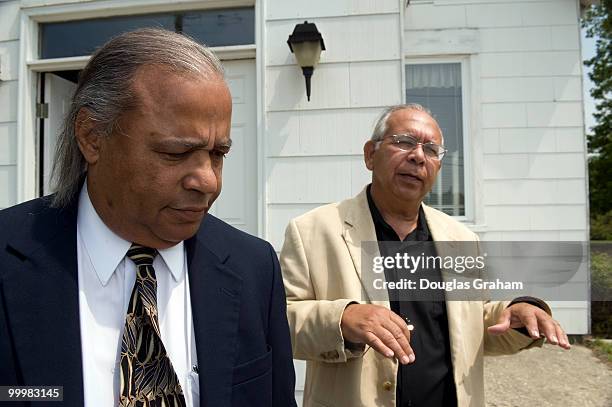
(235, 26)
(438, 87)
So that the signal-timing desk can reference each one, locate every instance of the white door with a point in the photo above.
(58, 94)
(237, 204)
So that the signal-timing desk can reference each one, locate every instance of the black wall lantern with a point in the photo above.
(306, 43)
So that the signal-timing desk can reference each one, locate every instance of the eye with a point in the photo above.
(218, 154)
(407, 143)
(430, 149)
(175, 156)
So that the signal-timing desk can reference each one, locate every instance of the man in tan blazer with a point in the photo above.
(333, 325)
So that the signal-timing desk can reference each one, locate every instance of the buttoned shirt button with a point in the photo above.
(388, 386)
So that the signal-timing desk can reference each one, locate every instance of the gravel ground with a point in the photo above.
(548, 377)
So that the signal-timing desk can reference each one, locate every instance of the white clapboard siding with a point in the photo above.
(283, 9)
(545, 63)
(534, 192)
(539, 140)
(8, 176)
(8, 156)
(319, 132)
(9, 59)
(534, 166)
(9, 20)
(8, 143)
(8, 101)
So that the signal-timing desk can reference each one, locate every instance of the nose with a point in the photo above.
(417, 155)
(202, 176)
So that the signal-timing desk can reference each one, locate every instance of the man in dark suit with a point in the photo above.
(119, 287)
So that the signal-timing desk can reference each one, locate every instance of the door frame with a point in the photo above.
(34, 12)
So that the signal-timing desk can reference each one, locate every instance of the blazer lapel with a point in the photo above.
(359, 228)
(215, 302)
(42, 302)
(439, 228)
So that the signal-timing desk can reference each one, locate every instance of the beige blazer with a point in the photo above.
(321, 265)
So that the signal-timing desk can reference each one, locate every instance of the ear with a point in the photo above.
(369, 148)
(87, 138)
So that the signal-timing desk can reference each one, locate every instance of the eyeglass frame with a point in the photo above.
(439, 156)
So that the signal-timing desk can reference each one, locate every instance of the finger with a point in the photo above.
(547, 327)
(567, 341)
(389, 339)
(563, 339)
(391, 342)
(378, 345)
(503, 324)
(406, 355)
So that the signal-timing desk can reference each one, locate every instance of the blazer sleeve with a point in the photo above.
(314, 324)
(278, 337)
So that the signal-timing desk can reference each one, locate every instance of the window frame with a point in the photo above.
(172, 13)
(468, 154)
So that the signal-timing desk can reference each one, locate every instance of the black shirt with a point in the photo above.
(429, 380)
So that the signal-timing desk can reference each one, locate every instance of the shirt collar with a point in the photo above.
(174, 257)
(106, 249)
(384, 231)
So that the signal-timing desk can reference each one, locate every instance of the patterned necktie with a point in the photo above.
(147, 376)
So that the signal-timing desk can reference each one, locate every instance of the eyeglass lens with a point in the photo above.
(408, 143)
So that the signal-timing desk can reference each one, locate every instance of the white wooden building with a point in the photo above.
(504, 78)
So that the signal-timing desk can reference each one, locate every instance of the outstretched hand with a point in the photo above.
(537, 322)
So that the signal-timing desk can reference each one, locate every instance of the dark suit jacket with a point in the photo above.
(237, 297)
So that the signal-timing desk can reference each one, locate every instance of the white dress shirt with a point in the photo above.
(106, 280)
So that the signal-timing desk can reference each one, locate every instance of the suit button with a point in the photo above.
(388, 386)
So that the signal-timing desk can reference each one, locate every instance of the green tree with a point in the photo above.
(598, 24)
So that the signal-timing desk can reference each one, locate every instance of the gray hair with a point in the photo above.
(105, 89)
(381, 126)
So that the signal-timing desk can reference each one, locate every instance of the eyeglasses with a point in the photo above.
(408, 142)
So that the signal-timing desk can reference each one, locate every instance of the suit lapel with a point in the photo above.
(42, 302)
(439, 228)
(215, 302)
(359, 228)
